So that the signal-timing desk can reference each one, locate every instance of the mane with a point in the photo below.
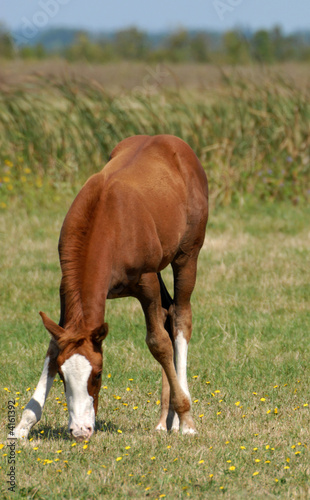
(72, 248)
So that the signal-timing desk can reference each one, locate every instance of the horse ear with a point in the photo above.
(100, 333)
(55, 330)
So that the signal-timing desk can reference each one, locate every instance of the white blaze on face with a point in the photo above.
(76, 371)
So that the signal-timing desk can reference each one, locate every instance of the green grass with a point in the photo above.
(248, 368)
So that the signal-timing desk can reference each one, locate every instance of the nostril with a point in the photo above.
(89, 429)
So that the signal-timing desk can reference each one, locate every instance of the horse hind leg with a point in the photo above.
(161, 346)
(33, 411)
(184, 269)
(167, 413)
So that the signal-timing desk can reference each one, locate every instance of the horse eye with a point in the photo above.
(97, 377)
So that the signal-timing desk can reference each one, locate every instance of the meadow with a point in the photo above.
(248, 364)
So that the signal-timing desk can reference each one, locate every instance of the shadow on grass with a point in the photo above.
(47, 432)
(103, 426)
(50, 433)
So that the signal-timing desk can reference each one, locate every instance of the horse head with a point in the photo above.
(78, 357)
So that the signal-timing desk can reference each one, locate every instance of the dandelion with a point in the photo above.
(59, 451)
(232, 468)
(263, 399)
(119, 431)
(202, 415)
(127, 447)
(89, 472)
(297, 452)
(210, 476)
(267, 461)
(227, 442)
(135, 408)
(237, 403)
(73, 444)
(109, 375)
(267, 446)
(257, 460)
(6, 389)
(195, 376)
(85, 446)
(275, 411)
(242, 448)
(201, 462)
(153, 458)
(119, 458)
(158, 402)
(255, 473)
(162, 496)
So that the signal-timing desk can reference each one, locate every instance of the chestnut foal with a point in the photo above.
(146, 209)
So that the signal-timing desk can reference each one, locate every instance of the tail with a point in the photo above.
(166, 302)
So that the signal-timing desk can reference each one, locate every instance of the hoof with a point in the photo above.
(18, 434)
(188, 430)
(187, 425)
(160, 427)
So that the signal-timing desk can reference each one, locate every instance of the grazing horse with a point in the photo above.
(146, 209)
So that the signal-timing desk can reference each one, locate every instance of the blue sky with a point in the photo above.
(157, 15)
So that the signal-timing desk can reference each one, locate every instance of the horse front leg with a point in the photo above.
(160, 345)
(33, 411)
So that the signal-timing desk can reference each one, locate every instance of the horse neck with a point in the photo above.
(83, 299)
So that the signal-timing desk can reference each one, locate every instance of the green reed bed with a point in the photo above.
(253, 140)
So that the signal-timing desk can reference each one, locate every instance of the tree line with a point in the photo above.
(231, 47)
